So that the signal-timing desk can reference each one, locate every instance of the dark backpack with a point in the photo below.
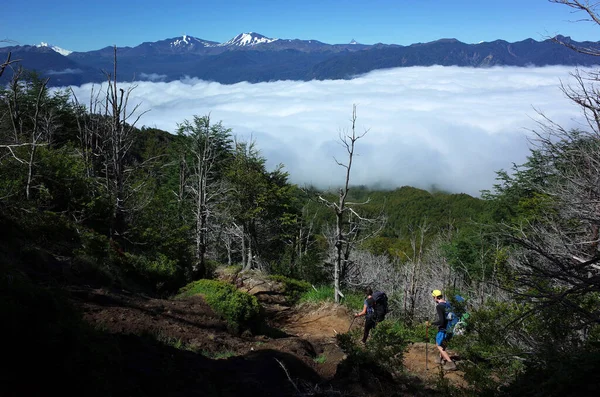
(381, 305)
(455, 318)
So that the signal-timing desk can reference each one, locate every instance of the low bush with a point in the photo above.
(360, 364)
(241, 310)
(292, 288)
(160, 273)
(388, 342)
(572, 374)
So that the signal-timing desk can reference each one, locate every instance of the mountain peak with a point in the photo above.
(248, 39)
(353, 41)
(185, 40)
(61, 51)
(189, 41)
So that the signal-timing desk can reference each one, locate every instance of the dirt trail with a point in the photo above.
(415, 363)
(319, 323)
(304, 343)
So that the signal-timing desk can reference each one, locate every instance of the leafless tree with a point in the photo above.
(107, 133)
(590, 15)
(31, 128)
(559, 258)
(6, 63)
(557, 262)
(349, 223)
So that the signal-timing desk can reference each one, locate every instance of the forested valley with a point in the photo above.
(91, 199)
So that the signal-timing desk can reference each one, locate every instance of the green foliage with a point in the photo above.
(233, 269)
(572, 374)
(353, 300)
(381, 357)
(324, 293)
(292, 288)
(320, 359)
(160, 272)
(241, 310)
(95, 260)
(222, 355)
(490, 355)
(388, 342)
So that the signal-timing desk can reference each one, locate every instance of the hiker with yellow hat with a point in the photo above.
(441, 338)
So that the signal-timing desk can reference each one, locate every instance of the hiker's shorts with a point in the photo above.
(441, 338)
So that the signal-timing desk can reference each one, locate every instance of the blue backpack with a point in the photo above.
(456, 322)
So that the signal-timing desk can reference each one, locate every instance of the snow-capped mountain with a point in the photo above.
(61, 51)
(248, 39)
(254, 58)
(186, 41)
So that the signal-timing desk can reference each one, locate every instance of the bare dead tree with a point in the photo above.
(5, 64)
(559, 256)
(349, 224)
(115, 133)
(591, 15)
(32, 128)
(89, 123)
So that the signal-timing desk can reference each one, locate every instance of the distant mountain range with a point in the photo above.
(255, 58)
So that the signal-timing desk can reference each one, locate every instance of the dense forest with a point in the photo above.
(88, 197)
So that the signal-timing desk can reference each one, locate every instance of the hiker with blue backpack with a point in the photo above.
(445, 320)
(375, 308)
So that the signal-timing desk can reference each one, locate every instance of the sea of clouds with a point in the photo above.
(448, 128)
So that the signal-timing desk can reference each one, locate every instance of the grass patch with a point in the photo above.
(241, 310)
(233, 269)
(218, 355)
(353, 300)
(320, 359)
(176, 343)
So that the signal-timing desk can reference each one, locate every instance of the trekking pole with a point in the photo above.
(351, 324)
(426, 347)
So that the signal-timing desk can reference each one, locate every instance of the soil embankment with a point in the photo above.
(299, 354)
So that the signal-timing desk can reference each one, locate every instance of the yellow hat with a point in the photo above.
(436, 292)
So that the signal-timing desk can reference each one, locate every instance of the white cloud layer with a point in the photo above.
(448, 127)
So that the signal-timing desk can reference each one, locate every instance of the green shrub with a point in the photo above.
(241, 310)
(574, 373)
(292, 288)
(233, 269)
(388, 342)
(160, 273)
(360, 364)
(385, 347)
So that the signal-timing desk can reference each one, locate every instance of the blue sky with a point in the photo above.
(88, 25)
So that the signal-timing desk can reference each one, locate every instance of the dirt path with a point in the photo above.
(429, 370)
(303, 352)
(319, 323)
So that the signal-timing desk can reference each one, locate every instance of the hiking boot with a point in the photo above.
(441, 360)
(449, 366)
